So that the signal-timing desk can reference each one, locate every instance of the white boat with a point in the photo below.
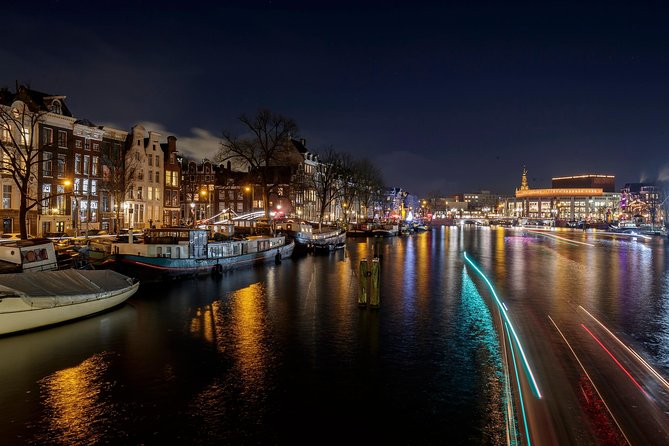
(38, 299)
(633, 228)
(309, 237)
(386, 230)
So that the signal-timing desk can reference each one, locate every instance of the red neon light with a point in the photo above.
(614, 358)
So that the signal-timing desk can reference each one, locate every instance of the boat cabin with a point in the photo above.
(37, 254)
(188, 243)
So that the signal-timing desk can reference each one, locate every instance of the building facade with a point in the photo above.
(574, 199)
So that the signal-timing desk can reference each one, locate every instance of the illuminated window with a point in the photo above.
(6, 196)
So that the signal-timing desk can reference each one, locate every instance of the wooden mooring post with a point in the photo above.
(369, 281)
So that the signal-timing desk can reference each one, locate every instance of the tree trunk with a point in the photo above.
(23, 212)
(265, 201)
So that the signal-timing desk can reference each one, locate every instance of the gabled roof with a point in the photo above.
(36, 100)
(299, 145)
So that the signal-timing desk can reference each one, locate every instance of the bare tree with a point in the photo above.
(20, 156)
(327, 181)
(347, 183)
(265, 146)
(118, 172)
(368, 184)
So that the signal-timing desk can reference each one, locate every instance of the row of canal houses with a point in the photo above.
(91, 177)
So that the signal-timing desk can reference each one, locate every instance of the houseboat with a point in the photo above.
(176, 253)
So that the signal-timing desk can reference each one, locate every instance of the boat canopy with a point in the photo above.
(47, 289)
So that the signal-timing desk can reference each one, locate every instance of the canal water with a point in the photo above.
(283, 354)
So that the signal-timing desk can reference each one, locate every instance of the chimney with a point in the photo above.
(171, 145)
(303, 142)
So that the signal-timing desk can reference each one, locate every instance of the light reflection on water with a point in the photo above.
(77, 404)
(258, 354)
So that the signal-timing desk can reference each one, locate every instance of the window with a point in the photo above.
(47, 136)
(78, 144)
(168, 177)
(96, 163)
(131, 193)
(157, 161)
(96, 147)
(60, 199)
(46, 192)
(140, 175)
(175, 179)
(4, 133)
(150, 159)
(157, 193)
(157, 177)
(61, 166)
(139, 193)
(62, 138)
(87, 162)
(83, 210)
(46, 164)
(104, 202)
(56, 107)
(77, 163)
(6, 196)
(94, 187)
(87, 144)
(149, 193)
(77, 185)
(85, 183)
(94, 211)
(150, 176)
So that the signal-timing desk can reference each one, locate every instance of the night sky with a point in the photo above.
(450, 97)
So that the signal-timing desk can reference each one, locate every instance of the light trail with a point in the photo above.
(520, 390)
(616, 360)
(566, 240)
(625, 234)
(535, 386)
(642, 361)
(590, 379)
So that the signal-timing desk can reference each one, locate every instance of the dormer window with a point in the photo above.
(56, 107)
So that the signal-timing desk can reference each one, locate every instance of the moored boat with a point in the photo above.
(176, 253)
(633, 228)
(37, 254)
(359, 230)
(386, 230)
(309, 237)
(36, 299)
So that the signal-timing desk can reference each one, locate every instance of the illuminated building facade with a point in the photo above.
(590, 198)
(642, 202)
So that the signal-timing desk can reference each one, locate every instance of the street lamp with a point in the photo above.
(75, 205)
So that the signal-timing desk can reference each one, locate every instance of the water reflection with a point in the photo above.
(244, 358)
(77, 404)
